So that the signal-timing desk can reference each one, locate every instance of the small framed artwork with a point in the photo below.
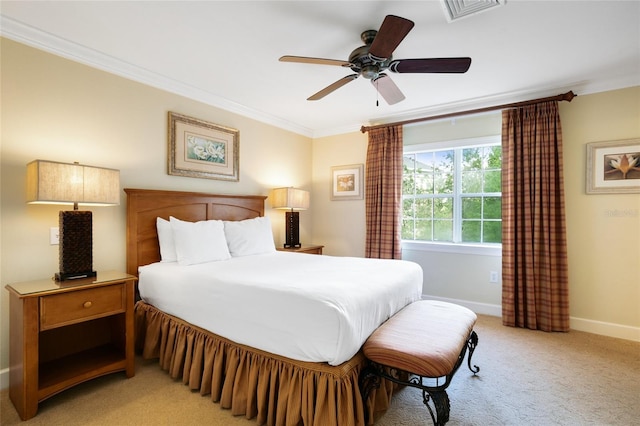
(613, 167)
(347, 182)
(201, 149)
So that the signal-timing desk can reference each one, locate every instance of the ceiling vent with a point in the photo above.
(456, 9)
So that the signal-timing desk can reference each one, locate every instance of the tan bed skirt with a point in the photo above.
(273, 389)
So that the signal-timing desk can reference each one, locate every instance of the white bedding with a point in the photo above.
(301, 306)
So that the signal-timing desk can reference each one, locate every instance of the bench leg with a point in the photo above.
(471, 344)
(440, 402)
(436, 395)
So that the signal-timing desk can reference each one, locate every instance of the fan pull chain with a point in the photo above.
(377, 94)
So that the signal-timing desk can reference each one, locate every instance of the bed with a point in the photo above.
(278, 378)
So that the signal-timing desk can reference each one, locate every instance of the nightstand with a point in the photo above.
(65, 333)
(303, 249)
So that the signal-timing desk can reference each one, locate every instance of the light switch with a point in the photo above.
(54, 236)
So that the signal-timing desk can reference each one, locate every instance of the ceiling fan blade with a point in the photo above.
(321, 61)
(431, 65)
(392, 31)
(330, 88)
(388, 89)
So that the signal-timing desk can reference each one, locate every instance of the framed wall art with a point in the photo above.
(201, 149)
(613, 167)
(347, 182)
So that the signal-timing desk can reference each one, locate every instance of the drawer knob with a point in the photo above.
(87, 304)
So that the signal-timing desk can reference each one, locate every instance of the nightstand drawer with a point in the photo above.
(68, 308)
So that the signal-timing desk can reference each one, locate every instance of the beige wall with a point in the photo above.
(59, 110)
(339, 225)
(604, 248)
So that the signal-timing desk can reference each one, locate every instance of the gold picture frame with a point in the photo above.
(347, 182)
(201, 149)
(613, 167)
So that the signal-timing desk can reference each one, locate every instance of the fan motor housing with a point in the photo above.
(362, 63)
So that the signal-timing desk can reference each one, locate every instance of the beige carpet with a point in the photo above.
(526, 378)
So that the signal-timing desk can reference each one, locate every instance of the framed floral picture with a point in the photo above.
(347, 182)
(613, 167)
(201, 149)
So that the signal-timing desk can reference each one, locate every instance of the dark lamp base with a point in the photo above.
(76, 245)
(292, 232)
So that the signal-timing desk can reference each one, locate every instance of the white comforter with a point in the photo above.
(305, 307)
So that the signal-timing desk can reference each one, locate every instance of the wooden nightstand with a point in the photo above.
(304, 249)
(65, 333)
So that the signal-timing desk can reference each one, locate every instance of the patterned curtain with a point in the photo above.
(383, 197)
(535, 291)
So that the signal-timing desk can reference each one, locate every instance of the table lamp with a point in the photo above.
(50, 182)
(291, 199)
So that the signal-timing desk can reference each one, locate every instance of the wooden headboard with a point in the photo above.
(145, 205)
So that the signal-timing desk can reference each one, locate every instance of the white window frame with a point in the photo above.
(485, 249)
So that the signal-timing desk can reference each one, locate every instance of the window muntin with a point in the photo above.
(453, 194)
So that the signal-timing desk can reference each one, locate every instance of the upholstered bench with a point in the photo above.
(421, 346)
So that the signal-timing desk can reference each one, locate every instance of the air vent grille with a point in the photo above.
(456, 9)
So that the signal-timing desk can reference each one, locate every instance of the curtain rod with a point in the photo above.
(563, 97)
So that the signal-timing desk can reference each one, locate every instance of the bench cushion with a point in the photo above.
(424, 338)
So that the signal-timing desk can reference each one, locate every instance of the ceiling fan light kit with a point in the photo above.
(375, 57)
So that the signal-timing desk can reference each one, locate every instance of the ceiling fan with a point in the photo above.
(375, 57)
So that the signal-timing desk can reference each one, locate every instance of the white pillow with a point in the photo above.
(199, 242)
(250, 236)
(165, 238)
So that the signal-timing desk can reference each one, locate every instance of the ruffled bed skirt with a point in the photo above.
(272, 389)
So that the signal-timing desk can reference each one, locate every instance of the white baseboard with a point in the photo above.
(478, 308)
(606, 328)
(4, 379)
(580, 324)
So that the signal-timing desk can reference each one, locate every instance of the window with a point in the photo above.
(452, 192)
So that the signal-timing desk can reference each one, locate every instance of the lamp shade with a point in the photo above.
(64, 183)
(289, 198)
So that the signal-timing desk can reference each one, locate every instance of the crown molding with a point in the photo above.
(41, 40)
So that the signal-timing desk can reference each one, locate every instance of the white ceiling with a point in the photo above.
(225, 53)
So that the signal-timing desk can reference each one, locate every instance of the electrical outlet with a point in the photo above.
(54, 236)
(493, 276)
